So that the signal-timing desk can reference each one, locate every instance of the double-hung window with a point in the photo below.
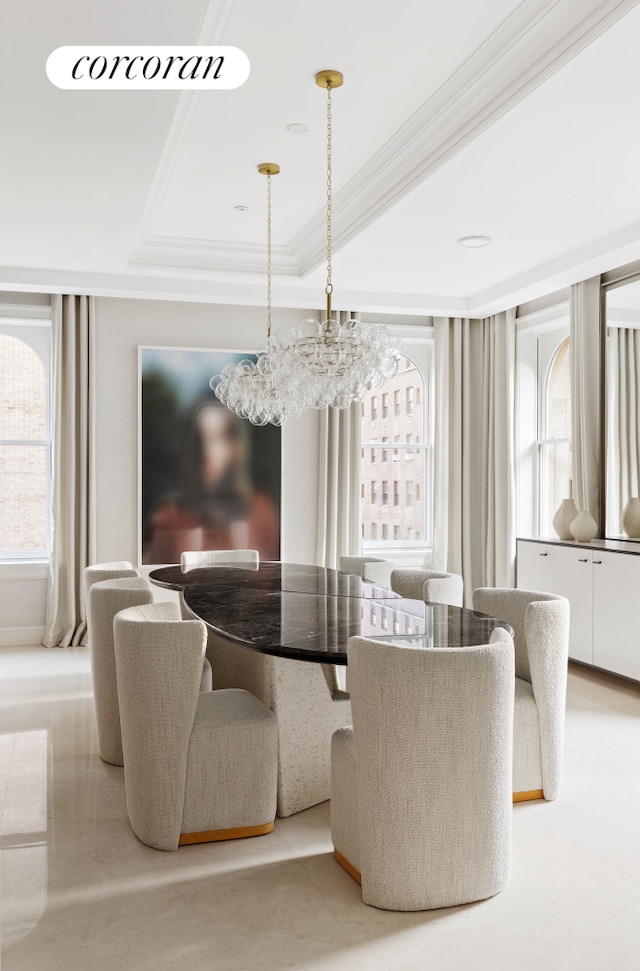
(25, 440)
(543, 460)
(402, 516)
(554, 438)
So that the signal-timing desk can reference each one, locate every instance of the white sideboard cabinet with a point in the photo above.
(601, 581)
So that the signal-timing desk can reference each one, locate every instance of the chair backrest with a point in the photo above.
(433, 734)
(117, 570)
(375, 569)
(106, 599)
(355, 564)
(191, 558)
(530, 613)
(429, 585)
(444, 588)
(541, 625)
(159, 667)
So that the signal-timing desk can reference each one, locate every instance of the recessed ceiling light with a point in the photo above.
(474, 242)
(240, 208)
(296, 128)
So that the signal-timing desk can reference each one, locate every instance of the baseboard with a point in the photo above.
(21, 636)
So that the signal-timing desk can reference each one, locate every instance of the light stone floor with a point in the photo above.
(80, 893)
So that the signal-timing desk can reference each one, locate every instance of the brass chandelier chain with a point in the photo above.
(268, 169)
(268, 255)
(329, 286)
(329, 80)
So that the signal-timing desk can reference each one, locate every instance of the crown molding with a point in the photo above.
(202, 288)
(623, 319)
(534, 42)
(161, 285)
(545, 319)
(212, 256)
(24, 313)
(580, 264)
(621, 275)
(188, 284)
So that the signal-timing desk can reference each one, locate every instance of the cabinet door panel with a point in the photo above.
(534, 566)
(616, 619)
(572, 579)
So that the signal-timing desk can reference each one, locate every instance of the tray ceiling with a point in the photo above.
(514, 120)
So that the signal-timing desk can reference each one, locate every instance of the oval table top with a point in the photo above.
(308, 613)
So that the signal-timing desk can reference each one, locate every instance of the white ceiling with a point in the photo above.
(514, 120)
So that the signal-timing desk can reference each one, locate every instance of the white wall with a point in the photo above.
(23, 593)
(123, 325)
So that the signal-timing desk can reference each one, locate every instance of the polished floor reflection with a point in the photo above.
(80, 893)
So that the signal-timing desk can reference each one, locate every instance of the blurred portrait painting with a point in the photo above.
(208, 479)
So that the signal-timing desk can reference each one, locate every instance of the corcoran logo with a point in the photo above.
(150, 68)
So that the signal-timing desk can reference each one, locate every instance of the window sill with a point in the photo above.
(418, 557)
(24, 569)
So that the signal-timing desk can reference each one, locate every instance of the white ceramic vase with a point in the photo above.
(631, 518)
(563, 518)
(584, 527)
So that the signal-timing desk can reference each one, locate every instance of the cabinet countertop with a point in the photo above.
(606, 545)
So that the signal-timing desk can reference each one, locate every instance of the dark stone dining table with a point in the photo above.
(308, 613)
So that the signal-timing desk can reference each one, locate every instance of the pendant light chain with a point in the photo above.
(329, 287)
(268, 255)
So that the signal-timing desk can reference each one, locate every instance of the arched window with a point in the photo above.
(555, 442)
(396, 461)
(24, 450)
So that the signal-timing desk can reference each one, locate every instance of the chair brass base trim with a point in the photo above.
(213, 835)
(527, 796)
(344, 863)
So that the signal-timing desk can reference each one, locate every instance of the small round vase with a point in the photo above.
(631, 518)
(584, 527)
(563, 518)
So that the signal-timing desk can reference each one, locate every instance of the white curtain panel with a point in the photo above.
(72, 492)
(585, 395)
(474, 488)
(339, 528)
(623, 433)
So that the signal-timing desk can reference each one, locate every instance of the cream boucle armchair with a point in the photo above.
(429, 585)
(198, 766)
(421, 784)
(541, 625)
(297, 693)
(195, 558)
(106, 599)
(371, 568)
